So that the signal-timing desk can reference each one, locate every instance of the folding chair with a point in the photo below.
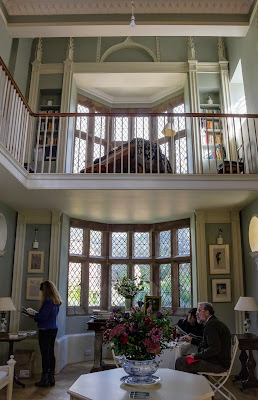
(217, 381)
(6, 377)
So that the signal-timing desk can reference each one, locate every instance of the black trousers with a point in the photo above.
(198, 366)
(46, 343)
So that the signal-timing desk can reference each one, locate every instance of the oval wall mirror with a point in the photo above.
(253, 234)
(3, 234)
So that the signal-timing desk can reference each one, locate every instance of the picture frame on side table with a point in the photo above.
(32, 288)
(36, 262)
(219, 259)
(152, 301)
(221, 290)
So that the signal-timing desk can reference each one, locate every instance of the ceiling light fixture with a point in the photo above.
(132, 23)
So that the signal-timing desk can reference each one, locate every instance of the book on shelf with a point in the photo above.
(211, 110)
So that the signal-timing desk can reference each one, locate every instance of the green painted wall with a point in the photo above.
(44, 243)
(245, 49)
(63, 271)
(250, 268)
(5, 42)
(223, 311)
(6, 261)
(22, 65)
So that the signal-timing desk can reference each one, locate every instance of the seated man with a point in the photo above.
(213, 349)
(190, 324)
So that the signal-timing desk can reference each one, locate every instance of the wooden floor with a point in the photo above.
(71, 372)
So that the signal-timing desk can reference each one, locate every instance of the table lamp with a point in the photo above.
(6, 304)
(246, 304)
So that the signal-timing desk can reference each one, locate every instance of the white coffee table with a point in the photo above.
(174, 385)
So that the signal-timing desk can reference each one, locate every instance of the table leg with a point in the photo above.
(15, 378)
(97, 352)
(251, 381)
(243, 375)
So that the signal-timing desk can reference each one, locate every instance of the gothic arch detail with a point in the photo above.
(128, 44)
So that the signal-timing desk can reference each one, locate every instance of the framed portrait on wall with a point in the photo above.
(36, 262)
(32, 288)
(219, 259)
(152, 301)
(221, 290)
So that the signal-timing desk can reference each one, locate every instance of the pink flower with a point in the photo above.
(149, 311)
(155, 334)
(117, 331)
(151, 347)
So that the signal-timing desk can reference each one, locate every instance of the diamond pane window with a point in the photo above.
(165, 285)
(98, 151)
(95, 243)
(79, 154)
(181, 156)
(179, 122)
(82, 122)
(119, 244)
(165, 244)
(162, 126)
(141, 246)
(121, 129)
(74, 284)
(185, 285)
(76, 241)
(94, 284)
(141, 127)
(142, 271)
(118, 271)
(100, 127)
(183, 241)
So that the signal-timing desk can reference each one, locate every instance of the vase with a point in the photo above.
(140, 372)
(128, 304)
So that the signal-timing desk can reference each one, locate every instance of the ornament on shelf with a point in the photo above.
(220, 238)
(210, 101)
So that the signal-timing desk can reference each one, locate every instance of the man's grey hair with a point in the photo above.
(207, 307)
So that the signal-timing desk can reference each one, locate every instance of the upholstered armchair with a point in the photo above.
(6, 377)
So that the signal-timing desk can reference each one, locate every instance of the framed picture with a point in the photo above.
(36, 262)
(219, 259)
(152, 301)
(32, 290)
(221, 290)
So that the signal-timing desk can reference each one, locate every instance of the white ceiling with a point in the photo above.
(85, 18)
(63, 7)
(130, 87)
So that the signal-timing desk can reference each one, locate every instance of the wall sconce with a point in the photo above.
(6, 304)
(253, 239)
(246, 304)
(35, 244)
(220, 238)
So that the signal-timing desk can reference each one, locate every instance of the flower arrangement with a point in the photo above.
(138, 336)
(129, 288)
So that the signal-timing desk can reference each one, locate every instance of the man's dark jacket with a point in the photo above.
(215, 346)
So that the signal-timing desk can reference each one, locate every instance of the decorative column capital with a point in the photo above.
(70, 49)
(158, 48)
(192, 65)
(38, 54)
(223, 66)
(221, 49)
(191, 49)
(200, 217)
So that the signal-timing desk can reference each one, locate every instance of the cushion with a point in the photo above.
(3, 374)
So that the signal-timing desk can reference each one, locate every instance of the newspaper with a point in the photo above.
(183, 333)
(29, 312)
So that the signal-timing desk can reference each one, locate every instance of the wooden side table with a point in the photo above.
(98, 326)
(247, 374)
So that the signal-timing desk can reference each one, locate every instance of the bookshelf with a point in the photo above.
(212, 140)
(47, 131)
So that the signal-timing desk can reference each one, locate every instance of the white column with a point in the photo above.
(201, 256)
(195, 108)
(237, 266)
(225, 92)
(54, 256)
(34, 81)
(18, 271)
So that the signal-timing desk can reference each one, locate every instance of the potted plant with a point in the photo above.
(139, 338)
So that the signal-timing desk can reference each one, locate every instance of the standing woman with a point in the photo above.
(47, 324)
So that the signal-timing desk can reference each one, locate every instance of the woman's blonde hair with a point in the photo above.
(49, 290)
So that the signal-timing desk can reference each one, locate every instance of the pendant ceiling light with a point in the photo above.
(132, 23)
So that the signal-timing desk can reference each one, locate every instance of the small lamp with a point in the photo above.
(220, 238)
(168, 131)
(132, 23)
(6, 304)
(35, 244)
(246, 304)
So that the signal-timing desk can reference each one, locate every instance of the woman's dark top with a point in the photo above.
(196, 329)
(46, 317)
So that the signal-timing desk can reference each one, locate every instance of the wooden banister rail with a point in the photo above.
(15, 86)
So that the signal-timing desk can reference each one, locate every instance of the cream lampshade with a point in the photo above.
(246, 304)
(6, 304)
